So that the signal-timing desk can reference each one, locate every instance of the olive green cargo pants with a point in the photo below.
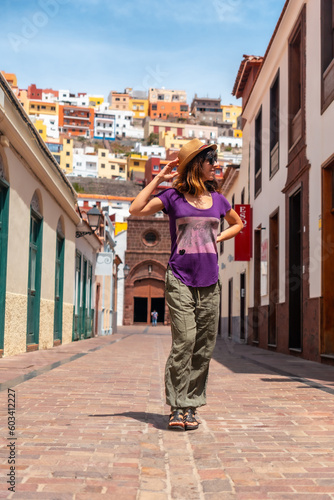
(194, 314)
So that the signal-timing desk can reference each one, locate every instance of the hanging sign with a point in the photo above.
(243, 240)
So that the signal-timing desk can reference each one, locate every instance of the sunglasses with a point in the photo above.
(212, 160)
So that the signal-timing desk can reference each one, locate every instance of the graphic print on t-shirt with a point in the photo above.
(196, 235)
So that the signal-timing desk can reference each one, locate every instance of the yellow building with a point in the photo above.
(139, 107)
(136, 166)
(231, 113)
(168, 140)
(41, 128)
(36, 107)
(62, 150)
(237, 132)
(96, 100)
(120, 226)
(66, 156)
(110, 166)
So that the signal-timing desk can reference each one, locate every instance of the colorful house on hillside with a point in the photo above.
(165, 104)
(76, 120)
(139, 107)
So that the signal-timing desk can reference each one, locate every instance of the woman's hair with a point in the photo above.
(190, 180)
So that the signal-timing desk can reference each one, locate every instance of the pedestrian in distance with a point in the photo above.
(195, 207)
(154, 315)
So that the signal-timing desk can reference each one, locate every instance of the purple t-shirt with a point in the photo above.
(194, 257)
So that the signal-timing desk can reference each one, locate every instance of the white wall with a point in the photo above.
(120, 248)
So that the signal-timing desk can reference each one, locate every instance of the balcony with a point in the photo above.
(75, 117)
(67, 125)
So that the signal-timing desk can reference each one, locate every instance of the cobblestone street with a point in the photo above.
(91, 423)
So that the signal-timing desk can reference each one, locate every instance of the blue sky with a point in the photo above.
(96, 46)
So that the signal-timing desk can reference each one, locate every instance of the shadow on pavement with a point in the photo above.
(243, 358)
(154, 419)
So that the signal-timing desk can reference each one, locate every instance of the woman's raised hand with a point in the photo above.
(166, 173)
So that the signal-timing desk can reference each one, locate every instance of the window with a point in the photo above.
(243, 196)
(327, 52)
(150, 238)
(258, 154)
(296, 50)
(221, 230)
(155, 167)
(154, 107)
(103, 154)
(136, 163)
(113, 167)
(274, 126)
(34, 277)
(59, 283)
(67, 153)
(67, 165)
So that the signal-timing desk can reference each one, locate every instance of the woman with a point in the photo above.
(195, 206)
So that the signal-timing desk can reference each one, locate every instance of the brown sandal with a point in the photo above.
(176, 421)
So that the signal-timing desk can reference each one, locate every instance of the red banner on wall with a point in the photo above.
(243, 240)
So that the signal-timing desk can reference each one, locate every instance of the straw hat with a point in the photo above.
(190, 150)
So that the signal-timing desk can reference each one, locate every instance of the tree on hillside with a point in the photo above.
(153, 139)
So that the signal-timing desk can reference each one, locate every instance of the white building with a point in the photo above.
(152, 150)
(202, 132)
(120, 240)
(116, 207)
(124, 126)
(65, 97)
(288, 112)
(85, 162)
(50, 121)
(233, 142)
(104, 123)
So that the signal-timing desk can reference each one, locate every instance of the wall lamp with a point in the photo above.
(94, 220)
(126, 270)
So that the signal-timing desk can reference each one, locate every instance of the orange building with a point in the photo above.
(119, 100)
(166, 104)
(11, 78)
(165, 110)
(76, 120)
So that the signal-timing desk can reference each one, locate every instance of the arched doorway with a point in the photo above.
(148, 295)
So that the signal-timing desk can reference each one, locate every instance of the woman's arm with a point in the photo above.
(235, 226)
(142, 204)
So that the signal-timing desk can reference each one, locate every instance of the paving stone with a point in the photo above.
(95, 427)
